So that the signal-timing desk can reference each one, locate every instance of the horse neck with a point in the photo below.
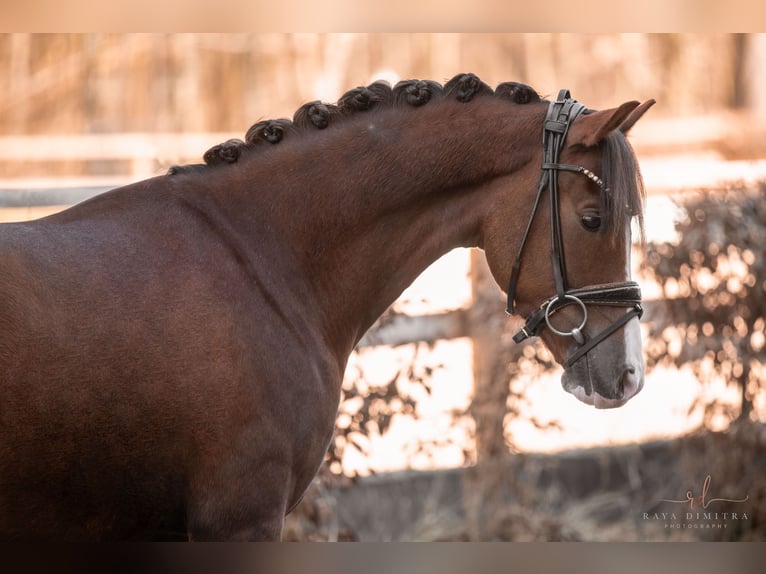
(368, 204)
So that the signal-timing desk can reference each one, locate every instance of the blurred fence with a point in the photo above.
(114, 83)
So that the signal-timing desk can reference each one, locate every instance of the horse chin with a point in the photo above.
(602, 392)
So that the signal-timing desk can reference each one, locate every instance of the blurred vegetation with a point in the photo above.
(367, 409)
(714, 283)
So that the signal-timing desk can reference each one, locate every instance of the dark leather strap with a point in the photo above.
(558, 118)
(627, 294)
(636, 311)
(623, 294)
(510, 308)
(532, 326)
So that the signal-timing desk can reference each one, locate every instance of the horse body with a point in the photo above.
(171, 352)
(157, 362)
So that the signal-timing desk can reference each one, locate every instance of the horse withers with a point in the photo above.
(171, 352)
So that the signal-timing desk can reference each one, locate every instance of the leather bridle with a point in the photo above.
(561, 114)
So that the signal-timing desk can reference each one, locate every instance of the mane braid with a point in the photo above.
(362, 99)
(315, 114)
(518, 93)
(318, 115)
(416, 92)
(227, 152)
(269, 131)
(465, 87)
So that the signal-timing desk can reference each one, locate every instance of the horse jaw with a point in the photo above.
(613, 386)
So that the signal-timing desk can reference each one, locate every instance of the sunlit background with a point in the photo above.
(80, 114)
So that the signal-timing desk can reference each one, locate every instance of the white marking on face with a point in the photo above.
(634, 350)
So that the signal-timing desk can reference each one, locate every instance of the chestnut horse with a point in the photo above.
(171, 352)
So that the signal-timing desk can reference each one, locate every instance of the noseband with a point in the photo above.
(561, 114)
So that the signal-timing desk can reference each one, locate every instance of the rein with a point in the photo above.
(561, 113)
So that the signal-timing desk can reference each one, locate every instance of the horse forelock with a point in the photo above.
(317, 115)
(624, 196)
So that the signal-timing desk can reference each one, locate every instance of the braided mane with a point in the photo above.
(621, 171)
(317, 115)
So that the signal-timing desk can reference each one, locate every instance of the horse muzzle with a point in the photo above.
(610, 374)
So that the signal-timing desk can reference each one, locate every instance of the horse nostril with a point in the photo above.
(630, 383)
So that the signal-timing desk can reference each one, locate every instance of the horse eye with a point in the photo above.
(591, 222)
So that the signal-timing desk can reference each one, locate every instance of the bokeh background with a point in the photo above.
(447, 431)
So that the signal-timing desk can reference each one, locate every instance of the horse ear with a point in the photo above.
(590, 129)
(636, 115)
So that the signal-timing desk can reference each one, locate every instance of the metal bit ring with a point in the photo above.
(575, 332)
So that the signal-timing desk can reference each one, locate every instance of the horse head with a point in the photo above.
(571, 275)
